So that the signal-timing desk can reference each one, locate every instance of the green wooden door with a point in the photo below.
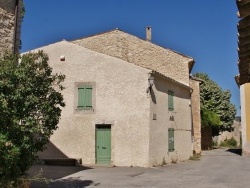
(103, 144)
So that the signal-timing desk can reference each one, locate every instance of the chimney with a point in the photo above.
(148, 33)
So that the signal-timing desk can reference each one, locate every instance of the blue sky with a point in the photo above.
(204, 30)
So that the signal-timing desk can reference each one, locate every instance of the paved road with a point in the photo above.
(216, 169)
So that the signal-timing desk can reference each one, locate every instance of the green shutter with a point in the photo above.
(81, 98)
(170, 139)
(88, 97)
(85, 97)
(170, 100)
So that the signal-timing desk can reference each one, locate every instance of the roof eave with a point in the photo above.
(191, 65)
(170, 79)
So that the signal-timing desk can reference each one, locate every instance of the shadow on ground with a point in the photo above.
(235, 151)
(43, 176)
(65, 183)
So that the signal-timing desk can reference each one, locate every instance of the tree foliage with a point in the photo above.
(216, 109)
(30, 105)
(209, 118)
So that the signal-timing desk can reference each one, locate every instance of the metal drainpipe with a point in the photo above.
(15, 27)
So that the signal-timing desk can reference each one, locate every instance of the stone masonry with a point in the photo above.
(195, 104)
(10, 25)
(236, 133)
(143, 53)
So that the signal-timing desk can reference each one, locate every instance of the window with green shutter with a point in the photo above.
(170, 100)
(170, 139)
(84, 97)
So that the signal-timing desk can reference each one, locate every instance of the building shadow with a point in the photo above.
(53, 156)
(152, 93)
(51, 151)
(66, 183)
(54, 168)
(56, 176)
(235, 151)
(53, 172)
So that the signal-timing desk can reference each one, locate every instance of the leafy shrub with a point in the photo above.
(214, 143)
(231, 143)
(30, 109)
(9, 158)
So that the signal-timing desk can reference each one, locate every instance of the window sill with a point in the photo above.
(83, 111)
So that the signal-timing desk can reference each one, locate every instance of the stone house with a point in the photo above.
(128, 101)
(10, 25)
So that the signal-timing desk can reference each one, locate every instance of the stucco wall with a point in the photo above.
(245, 117)
(120, 100)
(140, 52)
(7, 26)
(158, 149)
(196, 117)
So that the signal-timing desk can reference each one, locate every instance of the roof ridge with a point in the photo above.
(117, 29)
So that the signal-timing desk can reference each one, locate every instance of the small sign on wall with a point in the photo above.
(171, 118)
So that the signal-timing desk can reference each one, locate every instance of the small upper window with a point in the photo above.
(84, 97)
(170, 100)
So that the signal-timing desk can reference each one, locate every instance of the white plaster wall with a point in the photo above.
(158, 149)
(121, 100)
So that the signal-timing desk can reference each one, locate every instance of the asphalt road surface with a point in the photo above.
(220, 168)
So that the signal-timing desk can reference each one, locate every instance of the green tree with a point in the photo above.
(30, 106)
(209, 118)
(216, 109)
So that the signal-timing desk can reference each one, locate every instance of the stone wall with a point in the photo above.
(196, 117)
(10, 27)
(236, 134)
(143, 53)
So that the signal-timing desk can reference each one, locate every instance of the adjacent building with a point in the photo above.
(128, 101)
(10, 25)
(243, 79)
(196, 115)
